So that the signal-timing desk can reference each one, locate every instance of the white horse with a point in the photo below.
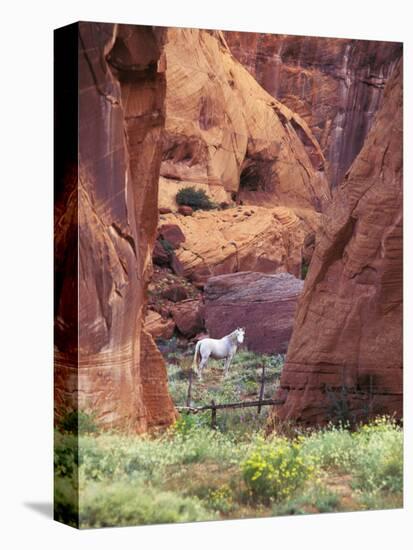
(224, 348)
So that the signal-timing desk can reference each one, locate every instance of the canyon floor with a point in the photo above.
(191, 472)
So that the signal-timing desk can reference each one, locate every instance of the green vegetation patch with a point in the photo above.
(195, 198)
(192, 472)
(123, 503)
(275, 469)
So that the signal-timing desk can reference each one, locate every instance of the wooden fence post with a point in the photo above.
(261, 389)
(371, 398)
(189, 394)
(214, 407)
(213, 415)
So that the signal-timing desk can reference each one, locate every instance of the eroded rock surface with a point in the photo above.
(348, 328)
(263, 304)
(225, 134)
(189, 317)
(334, 84)
(267, 240)
(114, 369)
(157, 326)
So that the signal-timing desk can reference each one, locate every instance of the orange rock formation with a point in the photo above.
(334, 84)
(226, 134)
(111, 366)
(163, 109)
(346, 347)
(268, 240)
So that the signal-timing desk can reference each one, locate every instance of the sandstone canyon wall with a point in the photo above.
(346, 347)
(225, 133)
(109, 210)
(160, 109)
(334, 84)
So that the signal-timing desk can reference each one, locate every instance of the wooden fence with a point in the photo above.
(213, 407)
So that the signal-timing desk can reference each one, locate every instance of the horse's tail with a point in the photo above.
(195, 361)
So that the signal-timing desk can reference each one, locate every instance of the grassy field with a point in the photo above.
(193, 473)
(241, 384)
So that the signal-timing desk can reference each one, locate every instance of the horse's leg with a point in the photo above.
(202, 365)
(227, 364)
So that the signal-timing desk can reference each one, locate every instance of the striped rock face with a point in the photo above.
(334, 84)
(105, 362)
(346, 347)
(226, 135)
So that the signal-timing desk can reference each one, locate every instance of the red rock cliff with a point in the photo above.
(346, 347)
(108, 210)
(226, 134)
(334, 84)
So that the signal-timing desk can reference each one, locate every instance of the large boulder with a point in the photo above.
(261, 303)
(268, 240)
(163, 255)
(172, 234)
(157, 326)
(346, 347)
(160, 255)
(189, 317)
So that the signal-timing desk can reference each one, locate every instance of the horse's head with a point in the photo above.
(240, 335)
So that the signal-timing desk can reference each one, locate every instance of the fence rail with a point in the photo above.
(213, 407)
(238, 405)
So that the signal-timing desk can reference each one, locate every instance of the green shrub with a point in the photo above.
(78, 422)
(205, 444)
(123, 503)
(166, 245)
(65, 454)
(304, 269)
(317, 499)
(373, 454)
(186, 423)
(380, 500)
(66, 501)
(323, 499)
(115, 457)
(220, 500)
(274, 470)
(332, 447)
(66, 478)
(195, 198)
(378, 457)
